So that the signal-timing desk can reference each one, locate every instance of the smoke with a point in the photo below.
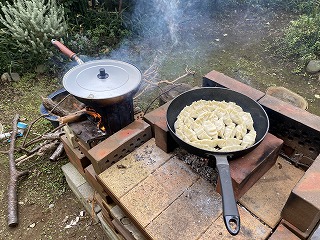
(158, 27)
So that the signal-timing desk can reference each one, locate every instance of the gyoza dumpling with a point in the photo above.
(241, 131)
(231, 148)
(227, 120)
(203, 117)
(200, 132)
(232, 142)
(220, 127)
(189, 134)
(249, 139)
(235, 117)
(230, 131)
(188, 121)
(201, 145)
(247, 119)
(210, 129)
(211, 143)
(178, 124)
(233, 106)
(220, 112)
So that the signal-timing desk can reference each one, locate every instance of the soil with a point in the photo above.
(46, 203)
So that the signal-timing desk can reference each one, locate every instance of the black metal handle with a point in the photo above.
(230, 210)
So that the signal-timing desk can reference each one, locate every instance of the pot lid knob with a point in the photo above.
(102, 74)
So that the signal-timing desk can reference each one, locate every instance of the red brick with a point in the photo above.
(217, 79)
(283, 233)
(247, 170)
(119, 145)
(157, 115)
(76, 157)
(297, 114)
(163, 138)
(302, 208)
(91, 177)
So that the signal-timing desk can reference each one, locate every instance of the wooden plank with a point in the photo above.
(120, 178)
(153, 195)
(268, 196)
(189, 215)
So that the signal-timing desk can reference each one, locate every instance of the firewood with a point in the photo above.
(14, 177)
(50, 105)
(57, 153)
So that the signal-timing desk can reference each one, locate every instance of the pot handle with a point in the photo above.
(66, 51)
(230, 211)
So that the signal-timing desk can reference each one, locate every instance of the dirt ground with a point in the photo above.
(46, 205)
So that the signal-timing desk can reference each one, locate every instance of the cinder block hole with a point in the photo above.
(301, 143)
(307, 141)
(124, 150)
(115, 156)
(107, 160)
(113, 162)
(290, 138)
(292, 128)
(311, 149)
(138, 139)
(131, 145)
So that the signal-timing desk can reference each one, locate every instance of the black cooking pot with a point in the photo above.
(261, 126)
(100, 82)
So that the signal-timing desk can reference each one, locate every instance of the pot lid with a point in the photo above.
(102, 79)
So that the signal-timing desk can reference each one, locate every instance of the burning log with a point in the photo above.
(14, 177)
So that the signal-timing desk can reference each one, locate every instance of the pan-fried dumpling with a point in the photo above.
(220, 127)
(235, 117)
(189, 134)
(200, 132)
(247, 119)
(232, 142)
(210, 129)
(231, 148)
(215, 126)
(249, 139)
(241, 131)
(230, 131)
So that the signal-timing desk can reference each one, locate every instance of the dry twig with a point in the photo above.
(14, 177)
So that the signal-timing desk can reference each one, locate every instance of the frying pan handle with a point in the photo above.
(66, 51)
(230, 211)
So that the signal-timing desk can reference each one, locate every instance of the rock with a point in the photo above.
(6, 77)
(15, 77)
(313, 66)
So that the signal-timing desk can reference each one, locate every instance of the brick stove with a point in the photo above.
(114, 166)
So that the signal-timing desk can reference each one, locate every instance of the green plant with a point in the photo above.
(302, 38)
(31, 24)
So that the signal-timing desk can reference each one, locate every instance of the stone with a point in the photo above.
(15, 77)
(313, 66)
(6, 77)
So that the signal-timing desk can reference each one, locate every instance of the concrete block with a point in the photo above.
(119, 145)
(111, 235)
(302, 208)
(217, 79)
(73, 175)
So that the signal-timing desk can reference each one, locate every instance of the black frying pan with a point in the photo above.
(261, 125)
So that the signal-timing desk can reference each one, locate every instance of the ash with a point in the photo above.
(198, 164)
